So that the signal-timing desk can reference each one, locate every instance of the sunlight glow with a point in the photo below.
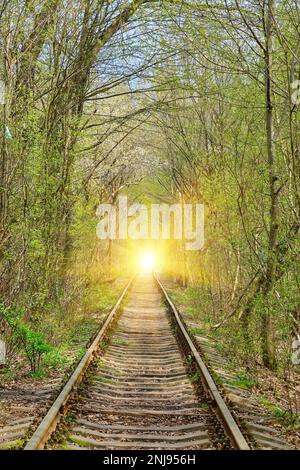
(147, 261)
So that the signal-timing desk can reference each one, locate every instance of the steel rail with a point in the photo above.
(228, 421)
(51, 419)
(56, 411)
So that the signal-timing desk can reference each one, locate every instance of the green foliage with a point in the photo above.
(195, 330)
(286, 417)
(243, 381)
(38, 374)
(32, 342)
(204, 406)
(119, 342)
(194, 378)
(16, 445)
(204, 139)
(99, 298)
(55, 358)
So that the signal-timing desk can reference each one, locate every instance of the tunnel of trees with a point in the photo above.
(165, 102)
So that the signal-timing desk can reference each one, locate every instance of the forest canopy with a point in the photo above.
(165, 102)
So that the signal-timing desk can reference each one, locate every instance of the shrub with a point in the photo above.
(22, 335)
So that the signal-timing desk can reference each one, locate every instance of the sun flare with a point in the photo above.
(147, 261)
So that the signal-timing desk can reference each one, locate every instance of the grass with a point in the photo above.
(195, 378)
(8, 374)
(38, 374)
(78, 442)
(119, 342)
(190, 360)
(16, 445)
(103, 345)
(204, 406)
(98, 378)
(243, 381)
(64, 447)
(195, 330)
(69, 419)
(83, 326)
(289, 419)
(286, 418)
(99, 297)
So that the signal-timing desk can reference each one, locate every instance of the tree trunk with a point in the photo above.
(266, 333)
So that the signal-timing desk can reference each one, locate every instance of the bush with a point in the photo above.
(22, 335)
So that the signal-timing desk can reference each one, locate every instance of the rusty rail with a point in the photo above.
(232, 428)
(50, 421)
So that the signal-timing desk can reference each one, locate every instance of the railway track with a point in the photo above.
(148, 389)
